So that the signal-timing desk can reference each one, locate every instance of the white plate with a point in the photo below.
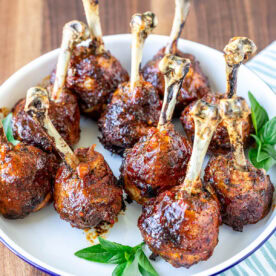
(48, 242)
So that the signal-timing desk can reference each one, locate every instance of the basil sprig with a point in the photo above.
(7, 125)
(126, 257)
(264, 154)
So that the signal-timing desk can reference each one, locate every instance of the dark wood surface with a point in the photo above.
(29, 28)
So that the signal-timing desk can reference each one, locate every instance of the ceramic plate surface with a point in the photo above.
(48, 242)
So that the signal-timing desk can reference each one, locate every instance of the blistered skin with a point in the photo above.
(94, 78)
(26, 175)
(183, 232)
(65, 116)
(156, 163)
(245, 197)
(195, 84)
(129, 116)
(90, 195)
(220, 143)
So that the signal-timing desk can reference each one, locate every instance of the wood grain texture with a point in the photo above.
(29, 28)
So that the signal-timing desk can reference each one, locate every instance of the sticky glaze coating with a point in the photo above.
(65, 116)
(90, 195)
(26, 175)
(94, 78)
(183, 232)
(156, 163)
(195, 84)
(129, 116)
(220, 143)
(245, 197)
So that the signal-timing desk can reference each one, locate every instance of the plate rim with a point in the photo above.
(42, 266)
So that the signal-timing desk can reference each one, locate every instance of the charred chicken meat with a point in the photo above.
(26, 175)
(181, 224)
(245, 192)
(195, 85)
(86, 192)
(135, 106)
(159, 160)
(235, 52)
(63, 111)
(93, 73)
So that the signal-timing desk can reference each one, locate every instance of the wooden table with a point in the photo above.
(30, 28)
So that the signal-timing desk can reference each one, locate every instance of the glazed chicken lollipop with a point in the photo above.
(236, 52)
(159, 160)
(63, 110)
(195, 85)
(181, 224)
(26, 175)
(245, 193)
(94, 74)
(85, 191)
(135, 106)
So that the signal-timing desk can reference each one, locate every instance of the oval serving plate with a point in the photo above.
(47, 242)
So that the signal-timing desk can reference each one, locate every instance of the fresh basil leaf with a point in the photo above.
(269, 150)
(98, 254)
(265, 164)
(145, 263)
(119, 269)
(258, 114)
(7, 126)
(268, 132)
(143, 271)
(114, 247)
(260, 155)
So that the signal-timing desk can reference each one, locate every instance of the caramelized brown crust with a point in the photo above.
(65, 116)
(195, 84)
(220, 143)
(91, 194)
(94, 78)
(25, 179)
(129, 116)
(156, 163)
(245, 197)
(183, 232)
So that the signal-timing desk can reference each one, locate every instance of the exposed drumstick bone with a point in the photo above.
(182, 8)
(206, 118)
(91, 8)
(233, 112)
(141, 26)
(174, 69)
(73, 32)
(238, 50)
(37, 105)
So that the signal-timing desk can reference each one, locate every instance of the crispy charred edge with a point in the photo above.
(233, 112)
(206, 117)
(174, 70)
(73, 32)
(141, 26)
(182, 8)
(237, 51)
(37, 105)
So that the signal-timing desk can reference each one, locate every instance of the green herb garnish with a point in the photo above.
(264, 155)
(124, 256)
(7, 125)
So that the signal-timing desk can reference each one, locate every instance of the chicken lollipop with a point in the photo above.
(63, 110)
(159, 160)
(236, 52)
(94, 74)
(26, 175)
(245, 193)
(181, 224)
(85, 191)
(135, 106)
(195, 85)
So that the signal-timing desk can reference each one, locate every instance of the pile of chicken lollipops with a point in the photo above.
(161, 168)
